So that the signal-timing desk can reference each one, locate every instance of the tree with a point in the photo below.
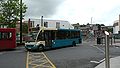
(102, 25)
(110, 30)
(2, 0)
(25, 28)
(10, 12)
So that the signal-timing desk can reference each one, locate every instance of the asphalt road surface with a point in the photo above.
(84, 55)
(81, 56)
(13, 58)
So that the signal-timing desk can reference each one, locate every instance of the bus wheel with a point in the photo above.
(73, 44)
(40, 47)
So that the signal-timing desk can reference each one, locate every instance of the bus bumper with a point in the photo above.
(31, 47)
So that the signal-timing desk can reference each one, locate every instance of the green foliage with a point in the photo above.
(25, 28)
(110, 30)
(102, 25)
(13, 25)
(10, 12)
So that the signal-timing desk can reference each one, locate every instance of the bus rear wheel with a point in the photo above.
(73, 43)
(40, 48)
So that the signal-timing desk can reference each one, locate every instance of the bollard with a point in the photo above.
(114, 39)
(111, 41)
(107, 58)
(99, 40)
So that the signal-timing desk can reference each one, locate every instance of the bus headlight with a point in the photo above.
(53, 42)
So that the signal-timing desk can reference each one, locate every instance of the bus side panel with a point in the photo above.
(65, 42)
(8, 43)
(61, 43)
(80, 40)
(1, 45)
(14, 39)
(12, 42)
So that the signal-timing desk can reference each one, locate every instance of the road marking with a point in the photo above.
(49, 60)
(102, 60)
(38, 60)
(94, 62)
(98, 61)
(27, 59)
(99, 49)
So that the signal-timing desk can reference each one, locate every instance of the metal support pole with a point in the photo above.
(42, 24)
(114, 39)
(111, 40)
(107, 58)
(20, 21)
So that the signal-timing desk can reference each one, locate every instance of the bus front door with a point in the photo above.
(48, 39)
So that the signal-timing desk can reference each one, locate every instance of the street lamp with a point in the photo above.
(20, 21)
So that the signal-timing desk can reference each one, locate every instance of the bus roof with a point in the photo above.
(70, 29)
(7, 29)
(49, 29)
(60, 29)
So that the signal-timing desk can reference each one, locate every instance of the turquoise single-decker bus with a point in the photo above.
(48, 38)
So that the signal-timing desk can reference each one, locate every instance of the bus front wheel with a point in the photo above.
(40, 47)
(73, 44)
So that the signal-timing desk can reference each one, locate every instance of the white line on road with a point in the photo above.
(95, 62)
(102, 60)
(99, 49)
(98, 61)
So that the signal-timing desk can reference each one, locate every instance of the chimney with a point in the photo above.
(29, 29)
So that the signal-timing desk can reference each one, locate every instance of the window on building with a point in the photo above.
(57, 24)
(45, 24)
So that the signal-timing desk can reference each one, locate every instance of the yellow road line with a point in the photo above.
(27, 59)
(49, 60)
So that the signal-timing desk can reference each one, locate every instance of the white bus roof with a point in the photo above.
(44, 28)
(48, 28)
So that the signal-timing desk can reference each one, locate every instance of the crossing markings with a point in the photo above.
(27, 59)
(38, 60)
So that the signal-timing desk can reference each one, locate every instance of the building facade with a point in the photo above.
(92, 28)
(52, 23)
(116, 27)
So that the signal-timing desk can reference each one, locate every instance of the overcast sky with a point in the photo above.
(75, 11)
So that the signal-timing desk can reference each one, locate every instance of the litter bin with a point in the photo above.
(99, 40)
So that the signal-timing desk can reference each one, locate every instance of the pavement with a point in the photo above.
(114, 62)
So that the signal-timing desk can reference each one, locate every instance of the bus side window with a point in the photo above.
(0, 35)
(6, 35)
(49, 36)
(10, 36)
(46, 36)
(53, 35)
(68, 35)
(72, 34)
